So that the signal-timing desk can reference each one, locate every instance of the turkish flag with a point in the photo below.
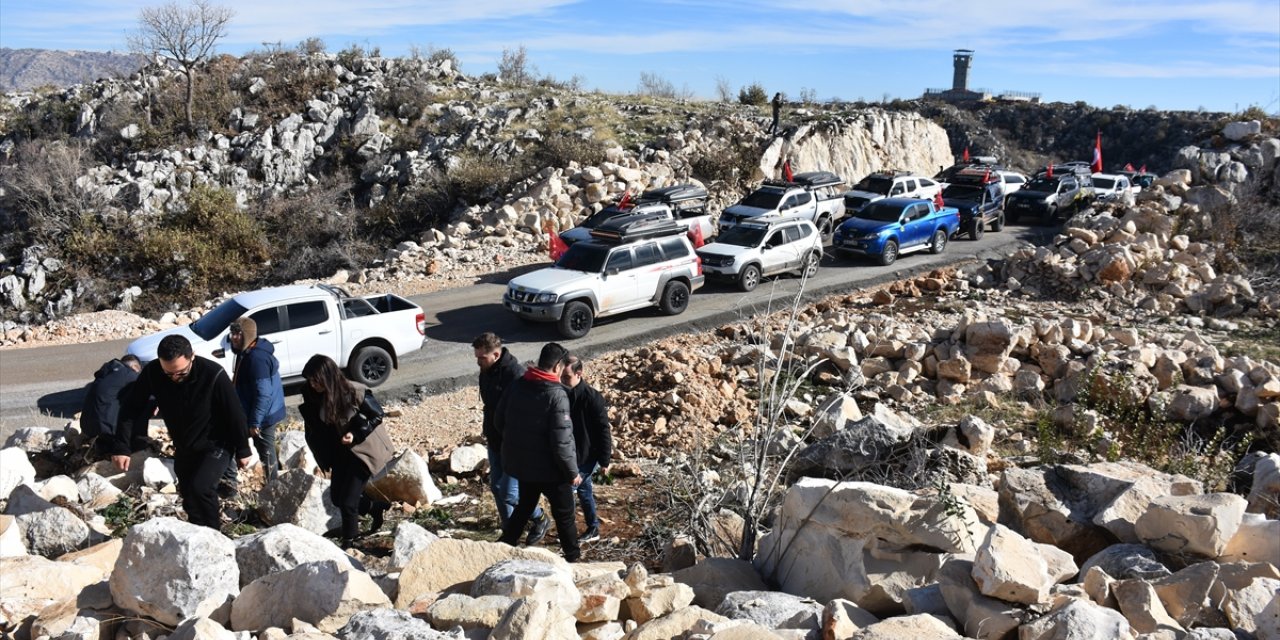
(1128, 166)
(695, 236)
(786, 170)
(965, 157)
(938, 202)
(1049, 171)
(1096, 167)
(625, 201)
(1142, 169)
(556, 245)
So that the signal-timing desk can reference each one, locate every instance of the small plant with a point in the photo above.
(122, 514)
(753, 94)
(433, 518)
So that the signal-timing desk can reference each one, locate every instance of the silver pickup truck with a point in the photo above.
(367, 334)
(814, 196)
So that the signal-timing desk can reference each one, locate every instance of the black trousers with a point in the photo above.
(346, 489)
(560, 495)
(198, 475)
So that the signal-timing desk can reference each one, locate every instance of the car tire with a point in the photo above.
(826, 229)
(976, 227)
(809, 266)
(576, 320)
(939, 242)
(889, 254)
(675, 298)
(998, 225)
(370, 366)
(749, 277)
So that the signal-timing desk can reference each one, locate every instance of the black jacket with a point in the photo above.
(370, 443)
(534, 431)
(201, 413)
(101, 411)
(493, 383)
(592, 432)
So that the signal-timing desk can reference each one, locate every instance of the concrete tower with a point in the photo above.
(963, 59)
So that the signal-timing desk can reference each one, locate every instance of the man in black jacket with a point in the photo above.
(204, 419)
(498, 369)
(593, 437)
(533, 428)
(101, 411)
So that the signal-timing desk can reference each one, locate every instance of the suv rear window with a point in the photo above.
(674, 248)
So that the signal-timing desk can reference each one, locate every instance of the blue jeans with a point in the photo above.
(587, 497)
(505, 488)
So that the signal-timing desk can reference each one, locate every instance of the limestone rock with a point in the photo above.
(1015, 569)
(713, 578)
(518, 578)
(981, 616)
(37, 578)
(841, 619)
(300, 498)
(1254, 541)
(406, 479)
(657, 600)
(459, 610)
(409, 540)
(602, 597)
(324, 594)
(914, 627)
(389, 624)
(468, 459)
(772, 609)
(281, 548)
(101, 556)
(170, 570)
(200, 628)
(1255, 608)
(1124, 561)
(1077, 620)
(1142, 607)
(1201, 525)
(673, 625)
(15, 469)
(454, 564)
(12, 541)
(535, 618)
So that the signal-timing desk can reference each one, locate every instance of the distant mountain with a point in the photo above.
(24, 69)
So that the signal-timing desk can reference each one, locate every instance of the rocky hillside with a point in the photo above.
(27, 69)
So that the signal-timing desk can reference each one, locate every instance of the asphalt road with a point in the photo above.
(45, 386)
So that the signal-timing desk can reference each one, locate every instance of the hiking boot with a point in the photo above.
(376, 515)
(590, 535)
(537, 531)
(227, 490)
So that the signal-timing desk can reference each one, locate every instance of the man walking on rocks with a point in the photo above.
(535, 433)
(498, 369)
(204, 419)
(592, 437)
(256, 376)
(100, 414)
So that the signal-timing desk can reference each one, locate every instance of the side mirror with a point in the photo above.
(611, 272)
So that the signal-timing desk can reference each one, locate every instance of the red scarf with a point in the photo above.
(536, 374)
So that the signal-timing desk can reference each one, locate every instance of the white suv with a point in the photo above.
(632, 264)
(754, 249)
(889, 184)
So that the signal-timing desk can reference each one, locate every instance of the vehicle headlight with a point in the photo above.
(545, 298)
(1047, 199)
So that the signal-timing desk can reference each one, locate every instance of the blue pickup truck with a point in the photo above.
(888, 228)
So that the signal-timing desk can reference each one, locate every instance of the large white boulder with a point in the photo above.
(1077, 620)
(170, 570)
(298, 497)
(281, 548)
(15, 469)
(389, 624)
(516, 579)
(324, 594)
(453, 564)
(1200, 525)
(406, 479)
(1118, 493)
(410, 538)
(1015, 569)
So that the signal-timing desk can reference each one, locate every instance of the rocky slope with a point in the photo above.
(27, 69)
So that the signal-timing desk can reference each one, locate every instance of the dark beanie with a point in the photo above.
(249, 328)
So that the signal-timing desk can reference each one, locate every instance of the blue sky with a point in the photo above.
(1174, 54)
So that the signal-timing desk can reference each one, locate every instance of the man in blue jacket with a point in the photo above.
(256, 376)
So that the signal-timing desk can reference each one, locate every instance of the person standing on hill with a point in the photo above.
(256, 376)
(533, 428)
(203, 416)
(498, 369)
(777, 111)
(592, 438)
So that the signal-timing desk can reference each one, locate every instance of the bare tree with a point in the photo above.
(185, 34)
(724, 91)
(514, 67)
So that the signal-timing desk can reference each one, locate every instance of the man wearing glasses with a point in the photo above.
(204, 418)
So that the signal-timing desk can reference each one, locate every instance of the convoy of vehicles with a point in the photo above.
(752, 249)
(1111, 186)
(683, 203)
(366, 335)
(812, 196)
(629, 263)
(888, 228)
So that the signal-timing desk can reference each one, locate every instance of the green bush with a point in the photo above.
(753, 94)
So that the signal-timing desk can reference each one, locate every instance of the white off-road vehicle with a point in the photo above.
(628, 264)
(889, 184)
(754, 249)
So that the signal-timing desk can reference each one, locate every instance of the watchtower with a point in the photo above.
(963, 58)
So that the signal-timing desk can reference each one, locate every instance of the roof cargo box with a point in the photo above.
(638, 227)
(673, 194)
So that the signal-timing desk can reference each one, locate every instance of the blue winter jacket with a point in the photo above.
(258, 384)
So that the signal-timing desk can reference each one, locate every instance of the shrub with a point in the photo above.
(41, 193)
(753, 94)
(734, 166)
(291, 80)
(312, 46)
(559, 149)
(313, 233)
(514, 67)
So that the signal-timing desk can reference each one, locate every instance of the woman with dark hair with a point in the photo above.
(343, 428)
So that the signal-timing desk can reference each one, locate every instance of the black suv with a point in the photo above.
(1053, 195)
(979, 196)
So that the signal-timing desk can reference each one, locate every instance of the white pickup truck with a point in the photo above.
(366, 335)
(683, 203)
(814, 196)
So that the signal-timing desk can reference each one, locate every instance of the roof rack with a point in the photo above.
(808, 180)
(639, 227)
(673, 194)
(975, 175)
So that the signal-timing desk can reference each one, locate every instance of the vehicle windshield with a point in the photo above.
(1040, 184)
(211, 324)
(763, 199)
(1104, 183)
(962, 192)
(602, 216)
(875, 184)
(584, 256)
(880, 212)
(743, 236)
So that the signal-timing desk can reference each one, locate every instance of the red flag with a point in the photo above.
(557, 246)
(1096, 167)
(1049, 171)
(695, 236)
(986, 176)
(965, 157)
(938, 203)
(786, 170)
(625, 201)
(1128, 166)
(1142, 169)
